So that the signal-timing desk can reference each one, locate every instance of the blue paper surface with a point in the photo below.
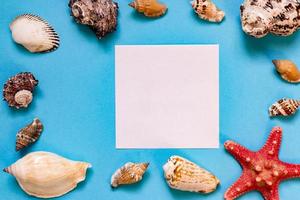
(75, 97)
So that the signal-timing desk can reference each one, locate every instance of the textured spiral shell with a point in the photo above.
(284, 107)
(29, 134)
(22, 81)
(100, 15)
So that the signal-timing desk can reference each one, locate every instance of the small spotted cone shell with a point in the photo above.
(128, 174)
(182, 174)
(34, 33)
(287, 70)
(29, 134)
(18, 90)
(150, 8)
(207, 10)
(284, 107)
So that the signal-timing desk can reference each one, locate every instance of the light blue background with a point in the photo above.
(75, 97)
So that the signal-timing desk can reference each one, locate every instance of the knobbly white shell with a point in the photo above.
(207, 10)
(128, 174)
(182, 174)
(260, 17)
(47, 175)
(34, 33)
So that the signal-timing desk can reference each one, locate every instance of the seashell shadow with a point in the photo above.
(202, 21)
(135, 186)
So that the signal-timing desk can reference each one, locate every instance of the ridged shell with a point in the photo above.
(287, 70)
(34, 33)
(150, 8)
(100, 15)
(29, 134)
(47, 175)
(128, 174)
(18, 90)
(260, 17)
(182, 174)
(207, 10)
(284, 107)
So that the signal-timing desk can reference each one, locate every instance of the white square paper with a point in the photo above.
(167, 96)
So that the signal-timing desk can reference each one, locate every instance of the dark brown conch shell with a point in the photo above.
(18, 90)
(29, 134)
(100, 15)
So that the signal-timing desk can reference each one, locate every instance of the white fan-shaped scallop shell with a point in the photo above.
(182, 174)
(47, 175)
(34, 33)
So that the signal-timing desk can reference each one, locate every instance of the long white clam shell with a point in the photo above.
(47, 175)
(182, 174)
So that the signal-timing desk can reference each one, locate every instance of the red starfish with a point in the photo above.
(262, 170)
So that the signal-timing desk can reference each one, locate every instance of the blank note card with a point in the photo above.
(167, 96)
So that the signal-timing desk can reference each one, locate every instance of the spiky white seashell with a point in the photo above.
(47, 175)
(182, 174)
(128, 174)
(34, 33)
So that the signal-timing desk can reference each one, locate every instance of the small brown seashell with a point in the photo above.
(288, 70)
(100, 15)
(18, 90)
(284, 107)
(207, 10)
(128, 174)
(29, 134)
(34, 33)
(150, 8)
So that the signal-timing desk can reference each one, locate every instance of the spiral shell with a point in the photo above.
(287, 70)
(128, 174)
(260, 17)
(47, 175)
(34, 33)
(18, 90)
(100, 15)
(182, 174)
(207, 10)
(29, 134)
(150, 8)
(284, 107)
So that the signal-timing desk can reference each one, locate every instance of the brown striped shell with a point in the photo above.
(18, 90)
(29, 134)
(34, 33)
(287, 70)
(284, 107)
(128, 174)
(207, 10)
(182, 174)
(150, 8)
(100, 15)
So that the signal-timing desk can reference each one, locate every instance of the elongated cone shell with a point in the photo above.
(207, 10)
(29, 134)
(287, 70)
(284, 107)
(150, 8)
(128, 174)
(47, 175)
(34, 33)
(182, 174)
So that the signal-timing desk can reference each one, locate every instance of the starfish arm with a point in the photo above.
(240, 187)
(291, 170)
(240, 153)
(272, 146)
(271, 194)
